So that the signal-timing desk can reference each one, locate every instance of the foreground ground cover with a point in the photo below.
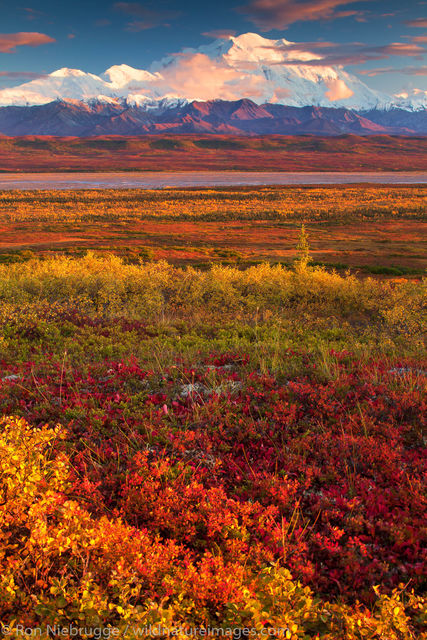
(210, 152)
(227, 448)
(369, 228)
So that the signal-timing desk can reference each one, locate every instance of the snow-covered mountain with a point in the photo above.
(246, 66)
(414, 100)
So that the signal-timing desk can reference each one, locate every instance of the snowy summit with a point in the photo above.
(245, 66)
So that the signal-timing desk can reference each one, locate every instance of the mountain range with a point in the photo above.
(237, 85)
(239, 117)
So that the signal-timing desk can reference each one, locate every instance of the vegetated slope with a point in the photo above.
(205, 152)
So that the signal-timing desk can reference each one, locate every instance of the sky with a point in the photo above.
(384, 42)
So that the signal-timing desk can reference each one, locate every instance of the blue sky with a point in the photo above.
(384, 41)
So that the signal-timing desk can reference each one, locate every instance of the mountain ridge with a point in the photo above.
(239, 117)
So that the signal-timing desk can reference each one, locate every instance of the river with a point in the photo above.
(183, 179)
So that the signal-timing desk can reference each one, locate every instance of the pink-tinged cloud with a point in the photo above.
(24, 75)
(9, 41)
(32, 14)
(219, 34)
(403, 49)
(144, 17)
(337, 90)
(200, 78)
(420, 23)
(278, 14)
(141, 25)
(410, 71)
(351, 53)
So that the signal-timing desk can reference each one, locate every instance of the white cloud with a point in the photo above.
(337, 90)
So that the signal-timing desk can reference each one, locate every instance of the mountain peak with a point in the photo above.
(121, 75)
(252, 46)
(251, 40)
(255, 40)
(65, 72)
(244, 66)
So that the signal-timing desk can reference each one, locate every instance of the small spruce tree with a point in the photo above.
(303, 249)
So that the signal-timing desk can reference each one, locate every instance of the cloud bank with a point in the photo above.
(195, 74)
(412, 71)
(352, 53)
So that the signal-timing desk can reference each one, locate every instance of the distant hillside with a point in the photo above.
(213, 152)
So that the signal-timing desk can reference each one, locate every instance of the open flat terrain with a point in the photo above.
(213, 152)
(371, 228)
